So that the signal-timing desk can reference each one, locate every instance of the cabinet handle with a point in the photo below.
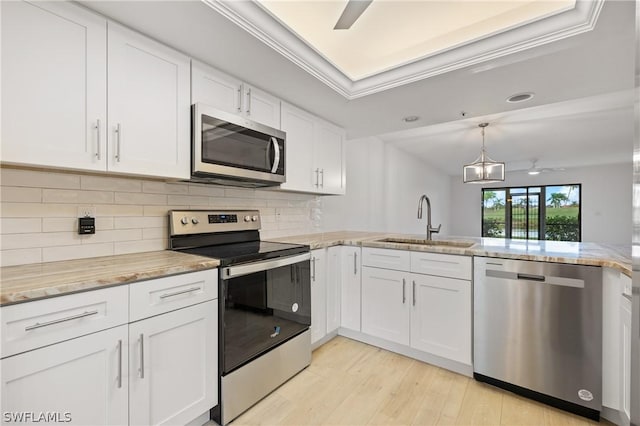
(118, 137)
(355, 263)
(322, 180)
(98, 151)
(313, 266)
(189, 290)
(414, 293)
(627, 296)
(119, 363)
(249, 101)
(240, 98)
(58, 321)
(141, 355)
(317, 177)
(404, 296)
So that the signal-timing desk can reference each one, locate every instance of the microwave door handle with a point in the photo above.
(276, 158)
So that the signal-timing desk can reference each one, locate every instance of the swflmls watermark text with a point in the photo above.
(36, 417)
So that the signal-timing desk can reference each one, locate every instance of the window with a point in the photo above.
(549, 212)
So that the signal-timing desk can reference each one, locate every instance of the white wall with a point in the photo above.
(606, 200)
(383, 188)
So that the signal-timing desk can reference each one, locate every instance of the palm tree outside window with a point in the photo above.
(551, 212)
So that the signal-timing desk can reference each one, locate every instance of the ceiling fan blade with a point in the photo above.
(351, 13)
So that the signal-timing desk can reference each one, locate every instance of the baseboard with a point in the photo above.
(614, 416)
(324, 340)
(201, 420)
(447, 364)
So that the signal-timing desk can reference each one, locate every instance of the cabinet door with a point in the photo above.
(261, 107)
(83, 380)
(350, 288)
(329, 158)
(149, 111)
(626, 357)
(385, 304)
(174, 365)
(54, 82)
(318, 295)
(333, 288)
(215, 88)
(299, 127)
(441, 317)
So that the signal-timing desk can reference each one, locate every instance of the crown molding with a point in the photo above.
(251, 17)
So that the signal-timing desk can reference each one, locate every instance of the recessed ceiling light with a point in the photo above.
(410, 118)
(520, 97)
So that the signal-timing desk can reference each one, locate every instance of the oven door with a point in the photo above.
(227, 145)
(265, 304)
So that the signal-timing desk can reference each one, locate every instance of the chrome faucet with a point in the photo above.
(430, 229)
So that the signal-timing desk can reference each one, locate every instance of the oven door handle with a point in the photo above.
(250, 268)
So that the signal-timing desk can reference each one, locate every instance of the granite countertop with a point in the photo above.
(613, 256)
(35, 281)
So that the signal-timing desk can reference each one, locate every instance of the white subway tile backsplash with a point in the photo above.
(39, 209)
(140, 246)
(80, 251)
(20, 194)
(38, 179)
(20, 256)
(20, 225)
(103, 183)
(74, 196)
(140, 198)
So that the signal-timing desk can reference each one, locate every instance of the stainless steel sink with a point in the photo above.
(446, 243)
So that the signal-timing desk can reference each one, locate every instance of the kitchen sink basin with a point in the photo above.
(435, 243)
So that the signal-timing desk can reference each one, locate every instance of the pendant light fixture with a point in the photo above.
(484, 169)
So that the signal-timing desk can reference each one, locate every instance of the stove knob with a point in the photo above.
(254, 218)
(247, 218)
(184, 220)
(195, 221)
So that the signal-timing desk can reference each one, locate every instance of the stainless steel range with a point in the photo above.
(264, 298)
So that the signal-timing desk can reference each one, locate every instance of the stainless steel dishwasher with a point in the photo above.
(538, 331)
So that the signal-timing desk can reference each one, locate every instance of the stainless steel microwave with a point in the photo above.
(233, 150)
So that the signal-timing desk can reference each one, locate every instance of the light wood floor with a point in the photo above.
(351, 383)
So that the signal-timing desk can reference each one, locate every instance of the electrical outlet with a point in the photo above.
(86, 211)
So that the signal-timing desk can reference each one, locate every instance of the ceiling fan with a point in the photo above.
(351, 13)
(535, 170)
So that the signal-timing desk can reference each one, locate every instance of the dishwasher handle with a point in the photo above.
(530, 277)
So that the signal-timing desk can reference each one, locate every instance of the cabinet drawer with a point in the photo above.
(443, 265)
(153, 297)
(43, 322)
(385, 258)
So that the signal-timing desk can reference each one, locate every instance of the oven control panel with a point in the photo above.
(185, 222)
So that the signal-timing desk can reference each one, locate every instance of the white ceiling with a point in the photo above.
(392, 33)
(585, 66)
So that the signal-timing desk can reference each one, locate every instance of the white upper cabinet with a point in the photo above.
(55, 64)
(329, 158)
(53, 85)
(315, 156)
(299, 127)
(149, 111)
(226, 93)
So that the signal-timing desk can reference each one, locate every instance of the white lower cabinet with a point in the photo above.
(441, 317)
(426, 312)
(625, 364)
(318, 295)
(385, 305)
(173, 363)
(333, 288)
(350, 290)
(81, 381)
